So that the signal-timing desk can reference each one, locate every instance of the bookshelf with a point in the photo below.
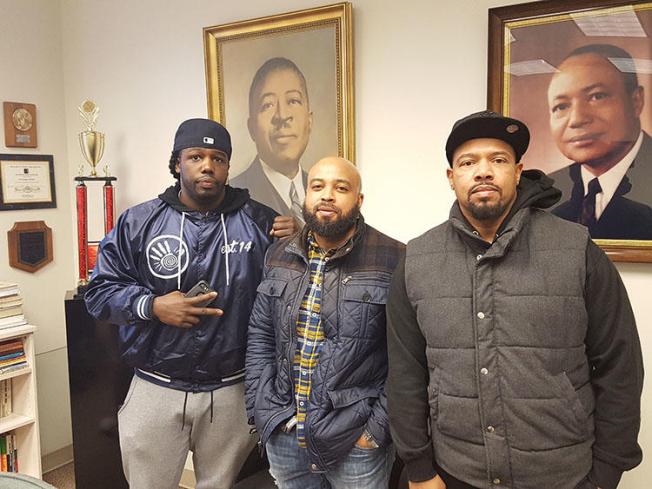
(23, 420)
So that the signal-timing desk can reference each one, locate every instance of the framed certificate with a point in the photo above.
(26, 182)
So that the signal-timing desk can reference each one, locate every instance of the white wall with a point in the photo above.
(419, 66)
(31, 67)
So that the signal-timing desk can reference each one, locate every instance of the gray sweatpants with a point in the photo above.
(154, 446)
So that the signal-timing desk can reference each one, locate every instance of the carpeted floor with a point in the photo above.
(61, 478)
(64, 478)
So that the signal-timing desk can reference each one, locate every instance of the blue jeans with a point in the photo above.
(361, 469)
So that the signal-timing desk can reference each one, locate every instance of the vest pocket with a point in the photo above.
(557, 419)
(573, 400)
(433, 393)
(459, 417)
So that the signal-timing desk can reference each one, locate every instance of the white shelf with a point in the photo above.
(16, 331)
(14, 421)
(16, 373)
(24, 419)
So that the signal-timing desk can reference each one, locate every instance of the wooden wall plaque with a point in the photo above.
(20, 125)
(30, 245)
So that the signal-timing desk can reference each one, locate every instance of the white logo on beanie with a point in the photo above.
(208, 140)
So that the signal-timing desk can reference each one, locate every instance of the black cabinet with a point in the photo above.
(98, 385)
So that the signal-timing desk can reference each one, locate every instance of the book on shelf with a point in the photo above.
(15, 359)
(5, 398)
(3, 453)
(11, 311)
(11, 306)
(11, 301)
(11, 345)
(12, 321)
(8, 289)
(13, 368)
(12, 355)
(8, 453)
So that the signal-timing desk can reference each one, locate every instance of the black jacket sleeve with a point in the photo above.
(614, 353)
(407, 383)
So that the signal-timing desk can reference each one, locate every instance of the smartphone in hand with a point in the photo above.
(201, 287)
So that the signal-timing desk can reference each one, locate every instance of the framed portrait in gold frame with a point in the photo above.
(579, 74)
(283, 87)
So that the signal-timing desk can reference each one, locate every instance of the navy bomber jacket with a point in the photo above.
(161, 246)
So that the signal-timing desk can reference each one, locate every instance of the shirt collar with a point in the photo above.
(282, 183)
(314, 246)
(610, 180)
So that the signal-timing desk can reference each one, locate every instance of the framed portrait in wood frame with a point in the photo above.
(579, 74)
(283, 87)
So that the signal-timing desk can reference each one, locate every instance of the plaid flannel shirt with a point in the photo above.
(310, 335)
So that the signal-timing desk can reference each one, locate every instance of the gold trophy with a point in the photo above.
(90, 140)
(92, 146)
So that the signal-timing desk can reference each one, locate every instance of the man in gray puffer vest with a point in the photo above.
(513, 352)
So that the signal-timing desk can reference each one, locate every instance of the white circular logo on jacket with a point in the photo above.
(163, 256)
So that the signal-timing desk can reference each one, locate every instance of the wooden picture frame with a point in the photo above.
(533, 64)
(318, 43)
(27, 182)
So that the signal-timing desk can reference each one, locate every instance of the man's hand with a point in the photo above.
(175, 309)
(284, 226)
(436, 483)
(364, 443)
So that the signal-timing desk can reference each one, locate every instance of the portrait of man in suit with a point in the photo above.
(279, 123)
(595, 102)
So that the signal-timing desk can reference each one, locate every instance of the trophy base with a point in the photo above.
(82, 286)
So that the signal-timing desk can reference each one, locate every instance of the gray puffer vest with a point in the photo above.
(510, 398)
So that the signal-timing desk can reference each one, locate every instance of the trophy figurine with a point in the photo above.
(90, 140)
(92, 147)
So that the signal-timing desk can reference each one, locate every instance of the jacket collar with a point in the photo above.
(504, 239)
(298, 244)
(234, 198)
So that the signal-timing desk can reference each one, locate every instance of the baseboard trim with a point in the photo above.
(56, 459)
(188, 479)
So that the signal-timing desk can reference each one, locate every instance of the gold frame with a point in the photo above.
(501, 19)
(339, 15)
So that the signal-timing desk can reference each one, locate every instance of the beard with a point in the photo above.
(335, 228)
(485, 210)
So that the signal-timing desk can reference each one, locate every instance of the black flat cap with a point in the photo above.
(487, 124)
(202, 133)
